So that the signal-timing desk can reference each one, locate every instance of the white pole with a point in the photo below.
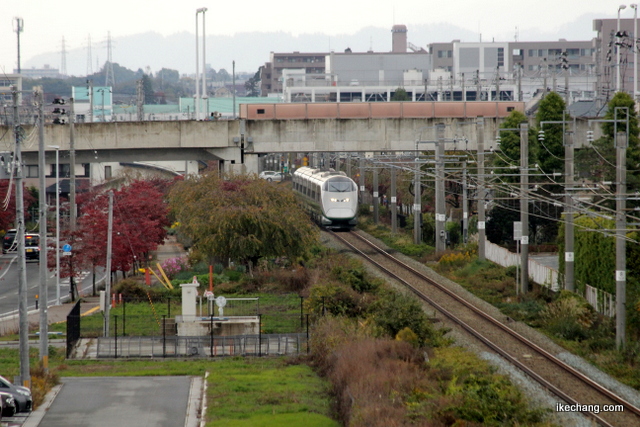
(197, 98)
(204, 64)
(635, 50)
(57, 148)
(57, 227)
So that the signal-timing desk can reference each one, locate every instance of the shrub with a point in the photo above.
(393, 312)
(173, 266)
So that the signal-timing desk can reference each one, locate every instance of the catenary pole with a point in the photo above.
(480, 190)
(440, 203)
(524, 206)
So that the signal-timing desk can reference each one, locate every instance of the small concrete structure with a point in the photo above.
(189, 324)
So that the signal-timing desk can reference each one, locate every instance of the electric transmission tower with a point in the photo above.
(109, 76)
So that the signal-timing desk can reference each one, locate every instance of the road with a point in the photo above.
(9, 284)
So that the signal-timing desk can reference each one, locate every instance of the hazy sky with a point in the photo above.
(46, 21)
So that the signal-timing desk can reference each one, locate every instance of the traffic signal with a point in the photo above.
(564, 60)
(57, 112)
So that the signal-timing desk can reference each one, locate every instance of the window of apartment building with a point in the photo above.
(107, 172)
(31, 171)
(500, 57)
(445, 54)
(587, 52)
(573, 53)
(64, 171)
(555, 53)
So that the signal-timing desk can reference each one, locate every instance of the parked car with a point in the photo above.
(8, 405)
(271, 176)
(22, 395)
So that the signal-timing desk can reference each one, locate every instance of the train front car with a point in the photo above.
(331, 197)
(339, 201)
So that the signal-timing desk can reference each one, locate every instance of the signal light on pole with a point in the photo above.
(59, 101)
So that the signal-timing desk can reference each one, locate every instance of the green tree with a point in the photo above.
(147, 87)
(400, 95)
(549, 151)
(506, 162)
(598, 161)
(241, 218)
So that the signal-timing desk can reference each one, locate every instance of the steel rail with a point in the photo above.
(588, 381)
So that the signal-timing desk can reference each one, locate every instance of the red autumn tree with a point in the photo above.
(8, 207)
(139, 221)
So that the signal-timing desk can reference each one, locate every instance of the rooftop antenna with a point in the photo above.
(517, 35)
(370, 43)
(63, 58)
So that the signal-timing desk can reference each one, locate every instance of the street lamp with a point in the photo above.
(204, 64)
(621, 7)
(197, 103)
(57, 148)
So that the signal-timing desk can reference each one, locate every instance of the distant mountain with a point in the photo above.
(251, 49)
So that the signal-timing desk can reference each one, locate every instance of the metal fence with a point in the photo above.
(73, 327)
(203, 346)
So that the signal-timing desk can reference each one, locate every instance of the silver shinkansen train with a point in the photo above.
(331, 197)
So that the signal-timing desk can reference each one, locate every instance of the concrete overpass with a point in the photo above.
(239, 143)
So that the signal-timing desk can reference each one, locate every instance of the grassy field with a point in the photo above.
(240, 391)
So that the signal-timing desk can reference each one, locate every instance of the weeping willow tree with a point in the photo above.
(241, 218)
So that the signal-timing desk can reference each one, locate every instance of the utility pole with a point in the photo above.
(107, 291)
(519, 82)
(72, 179)
(90, 90)
(465, 205)
(417, 205)
(480, 190)
(361, 179)
(25, 374)
(569, 235)
(498, 83)
(233, 89)
(42, 205)
(19, 29)
(524, 206)
(376, 202)
(393, 201)
(440, 203)
(140, 99)
(72, 166)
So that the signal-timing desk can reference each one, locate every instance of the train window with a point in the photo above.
(339, 185)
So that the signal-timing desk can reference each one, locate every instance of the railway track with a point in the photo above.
(569, 385)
